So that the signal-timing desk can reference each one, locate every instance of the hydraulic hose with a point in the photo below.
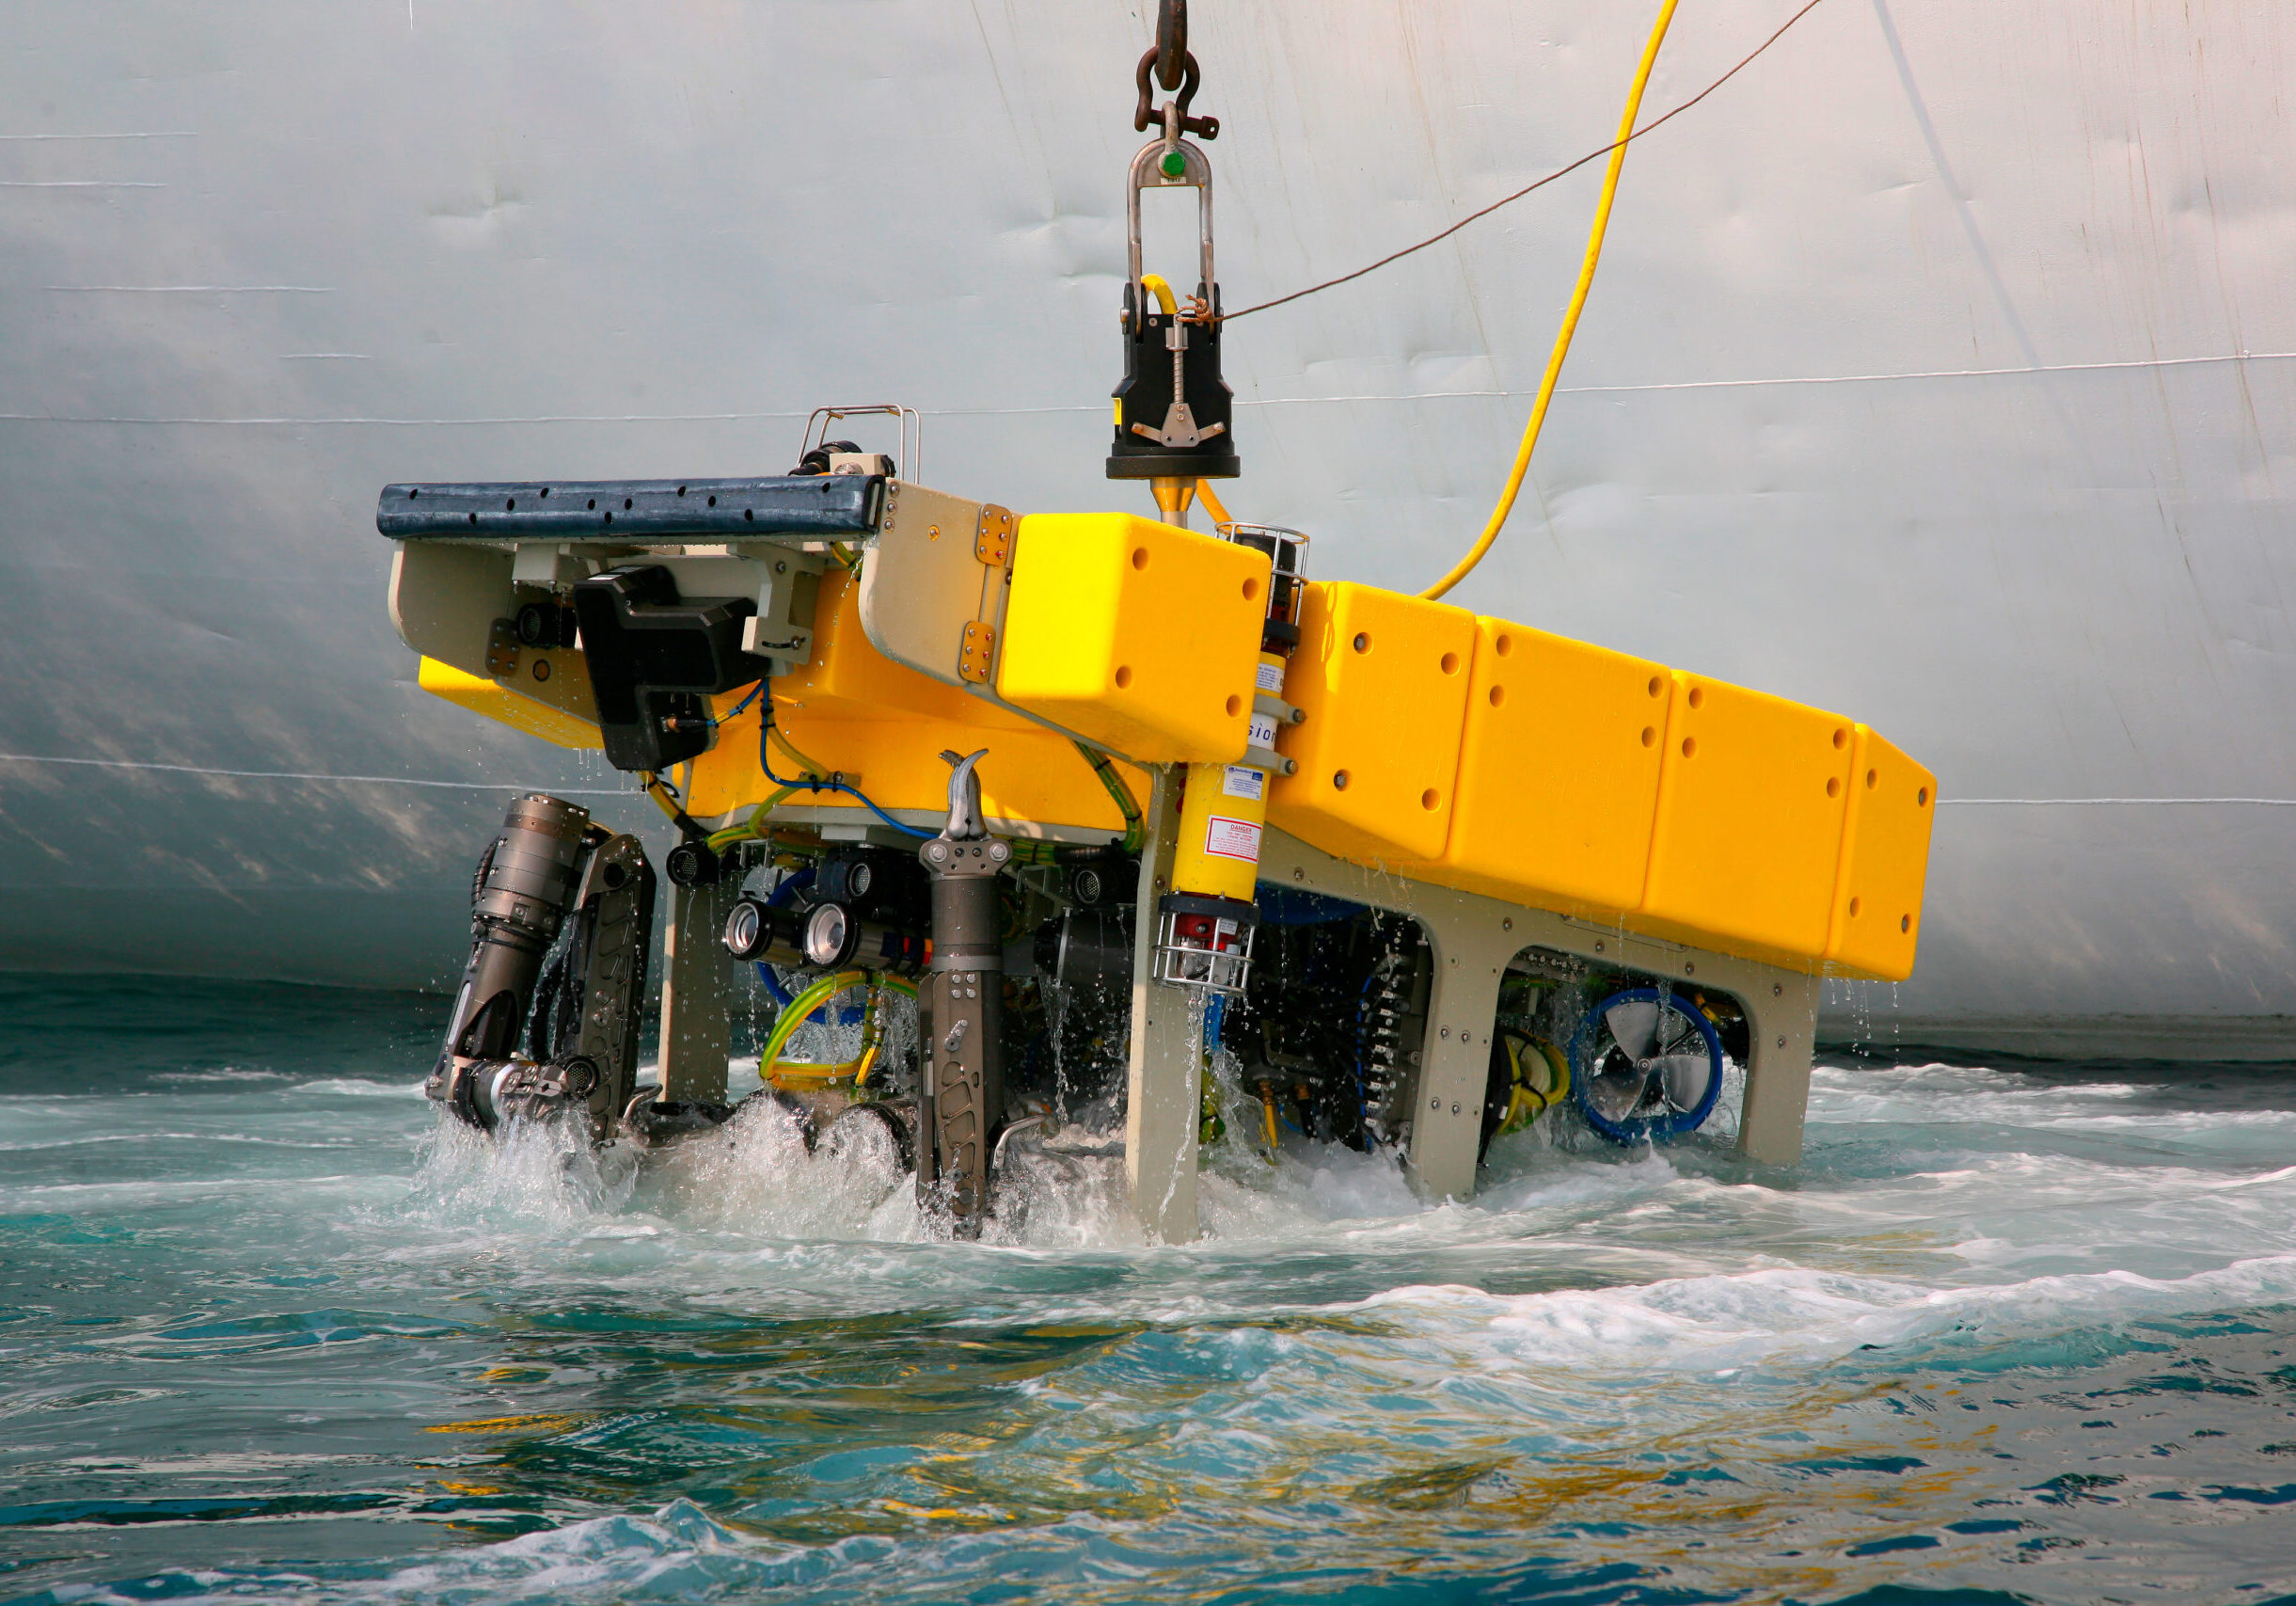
(1570, 317)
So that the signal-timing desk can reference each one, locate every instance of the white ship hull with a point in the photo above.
(1941, 370)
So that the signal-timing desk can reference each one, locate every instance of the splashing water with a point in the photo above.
(272, 1331)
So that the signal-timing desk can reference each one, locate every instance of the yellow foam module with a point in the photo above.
(1138, 636)
(1559, 770)
(497, 702)
(1747, 835)
(1876, 920)
(1383, 679)
(882, 727)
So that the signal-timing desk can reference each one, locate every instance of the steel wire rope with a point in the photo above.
(1562, 172)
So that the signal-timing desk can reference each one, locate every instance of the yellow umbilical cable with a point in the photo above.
(1570, 317)
(1211, 502)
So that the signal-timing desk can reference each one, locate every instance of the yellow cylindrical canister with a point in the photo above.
(1224, 812)
(1222, 817)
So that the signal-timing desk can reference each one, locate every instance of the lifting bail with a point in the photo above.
(1174, 412)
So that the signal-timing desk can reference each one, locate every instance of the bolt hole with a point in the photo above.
(1840, 739)
(1235, 707)
(1251, 590)
(1833, 786)
(1921, 799)
(1362, 643)
(713, 501)
(681, 490)
(1502, 643)
(748, 515)
(1124, 677)
(592, 504)
(1139, 557)
(510, 504)
(474, 518)
(1853, 909)
(1450, 663)
(1870, 777)
(1498, 695)
(1429, 798)
(1905, 922)
(1689, 747)
(1650, 736)
(1338, 781)
(1697, 696)
(626, 504)
(1656, 683)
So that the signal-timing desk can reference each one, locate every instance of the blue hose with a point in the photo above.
(781, 894)
(765, 762)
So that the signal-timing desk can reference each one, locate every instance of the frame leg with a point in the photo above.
(1164, 1085)
(697, 1028)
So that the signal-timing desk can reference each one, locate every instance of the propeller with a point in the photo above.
(1647, 1048)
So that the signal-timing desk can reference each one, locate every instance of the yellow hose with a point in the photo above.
(1154, 284)
(773, 1068)
(1211, 502)
(1570, 317)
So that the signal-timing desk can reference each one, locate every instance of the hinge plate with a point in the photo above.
(992, 539)
(502, 650)
(978, 652)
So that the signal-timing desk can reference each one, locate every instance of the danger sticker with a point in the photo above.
(1272, 678)
(1226, 838)
(1243, 783)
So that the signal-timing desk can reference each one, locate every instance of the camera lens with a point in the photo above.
(829, 936)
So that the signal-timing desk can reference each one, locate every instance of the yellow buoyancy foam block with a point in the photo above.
(1383, 681)
(1138, 636)
(1559, 771)
(1747, 840)
(497, 702)
(1877, 921)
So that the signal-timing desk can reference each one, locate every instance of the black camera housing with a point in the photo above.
(655, 662)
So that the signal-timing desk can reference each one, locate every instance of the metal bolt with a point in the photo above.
(1782, 1043)
(1507, 925)
(1299, 875)
(1598, 947)
(1688, 969)
(1777, 991)
(1446, 1031)
(1454, 1109)
(1434, 1104)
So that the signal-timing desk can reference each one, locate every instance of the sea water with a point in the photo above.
(270, 1330)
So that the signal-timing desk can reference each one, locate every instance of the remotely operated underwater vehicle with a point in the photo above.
(1103, 794)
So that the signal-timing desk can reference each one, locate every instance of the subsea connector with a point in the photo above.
(1174, 416)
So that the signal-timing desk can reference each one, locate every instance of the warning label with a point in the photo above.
(1243, 783)
(1226, 838)
(1272, 678)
